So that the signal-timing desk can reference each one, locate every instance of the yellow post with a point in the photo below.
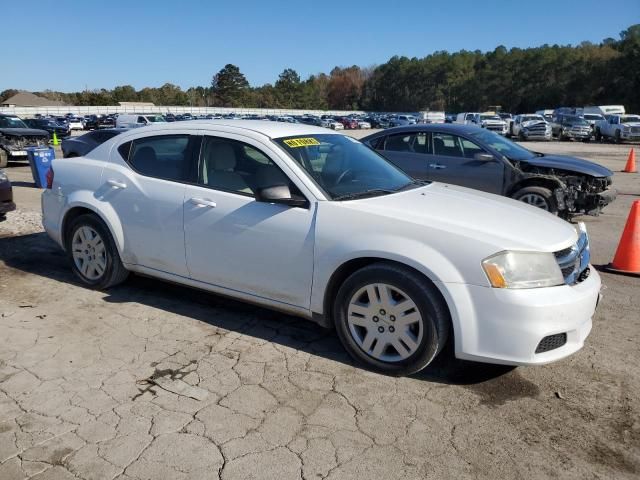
(55, 140)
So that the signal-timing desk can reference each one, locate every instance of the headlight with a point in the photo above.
(3, 176)
(522, 270)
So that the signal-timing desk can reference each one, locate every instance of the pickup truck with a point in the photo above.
(530, 127)
(618, 128)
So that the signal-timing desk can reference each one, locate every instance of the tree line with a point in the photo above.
(520, 80)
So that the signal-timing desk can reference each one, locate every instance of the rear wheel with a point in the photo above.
(540, 197)
(598, 135)
(94, 257)
(391, 319)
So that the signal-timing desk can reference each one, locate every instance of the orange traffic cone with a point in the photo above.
(630, 167)
(627, 258)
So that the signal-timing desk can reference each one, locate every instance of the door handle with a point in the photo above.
(437, 166)
(116, 184)
(203, 202)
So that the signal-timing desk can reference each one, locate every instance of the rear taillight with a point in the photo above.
(50, 178)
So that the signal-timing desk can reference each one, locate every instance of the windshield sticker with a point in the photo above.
(301, 142)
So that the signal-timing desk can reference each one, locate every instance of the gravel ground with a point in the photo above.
(151, 380)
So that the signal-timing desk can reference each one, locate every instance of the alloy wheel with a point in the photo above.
(535, 200)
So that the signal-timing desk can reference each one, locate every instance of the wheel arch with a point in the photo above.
(534, 181)
(351, 266)
(82, 207)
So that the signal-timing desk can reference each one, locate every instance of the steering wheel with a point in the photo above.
(343, 175)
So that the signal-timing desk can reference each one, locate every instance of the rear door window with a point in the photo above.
(417, 142)
(168, 157)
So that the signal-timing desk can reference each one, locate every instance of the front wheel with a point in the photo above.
(540, 197)
(4, 159)
(94, 257)
(618, 139)
(391, 319)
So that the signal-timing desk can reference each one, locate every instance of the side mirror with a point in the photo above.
(484, 157)
(280, 194)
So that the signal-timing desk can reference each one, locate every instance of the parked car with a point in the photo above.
(618, 128)
(468, 118)
(492, 122)
(313, 223)
(363, 124)
(348, 123)
(49, 125)
(530, 126)
(478, 158)
(15, 137)
(570, 127)
(79, 146)
(547, 114)
(107, 121)
(90, 122)
(136, 120)
(592, 119)
(6, 196)
(431, 117)
(75, 123)
(400, 120)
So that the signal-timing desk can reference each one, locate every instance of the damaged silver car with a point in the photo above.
(16, 137)
(478, 158)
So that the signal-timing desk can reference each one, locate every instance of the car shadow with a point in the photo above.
(36, 254)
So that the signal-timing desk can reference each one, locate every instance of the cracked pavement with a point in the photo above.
(152, 381)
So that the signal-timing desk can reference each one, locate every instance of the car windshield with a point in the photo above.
(11, 122)
(489, 117)
(573, 120)
(593, 117)
(343, 167)
(532, 117)
(509, 149)
(630, 118)
(156, 119)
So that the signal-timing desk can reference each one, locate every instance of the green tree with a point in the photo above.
(288, 89)
(229, 86)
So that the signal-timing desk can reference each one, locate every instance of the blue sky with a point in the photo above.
(69, 45)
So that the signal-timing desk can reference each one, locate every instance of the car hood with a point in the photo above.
(23, 132)
(531, 123)
(501, 222)
(571, 164)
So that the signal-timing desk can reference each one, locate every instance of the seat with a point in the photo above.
(219, 169)
(333, 166)
(438, 146)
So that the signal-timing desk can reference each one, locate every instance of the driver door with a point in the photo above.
(235, 242)
(457, 165)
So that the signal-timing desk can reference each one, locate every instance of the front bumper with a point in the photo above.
(537, 136)
(629, 136)
(506, 326)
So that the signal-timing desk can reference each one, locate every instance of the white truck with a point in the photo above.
(603, 110)
(618, 128)
(530, 126)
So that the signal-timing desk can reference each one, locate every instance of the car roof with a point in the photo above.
(265, 127)
(430, 127)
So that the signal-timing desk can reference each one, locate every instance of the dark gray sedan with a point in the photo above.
(478, 158)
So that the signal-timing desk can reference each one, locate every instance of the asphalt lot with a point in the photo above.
(151, 380)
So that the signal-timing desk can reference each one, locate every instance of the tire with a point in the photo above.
(540, 197)
(87, 228)
(418, 343)
(617, 138)
(4, 159)
(521, 137)
(598, 135)
(561, 137)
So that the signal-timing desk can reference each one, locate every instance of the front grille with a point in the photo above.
(551, 342)
(635, 129)
(21, 142)
(574, 261)
(496, 128)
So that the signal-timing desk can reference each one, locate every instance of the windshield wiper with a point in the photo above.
(365, 193)
(413, 184)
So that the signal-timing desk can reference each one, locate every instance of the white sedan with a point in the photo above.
(363, 124)
(315, 224)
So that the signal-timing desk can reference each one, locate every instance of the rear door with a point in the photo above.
(144, 184)
(454, 157)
